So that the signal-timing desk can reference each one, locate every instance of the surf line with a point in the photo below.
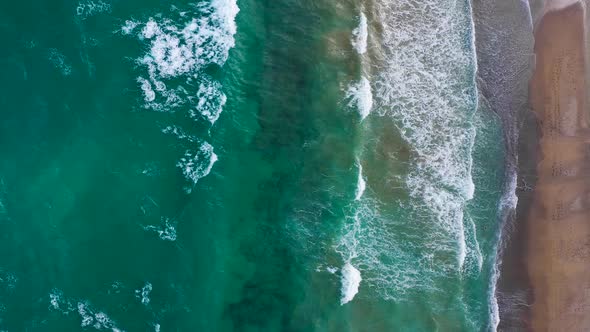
(359, 93)
(361, 98)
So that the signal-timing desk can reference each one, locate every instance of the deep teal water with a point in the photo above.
(178, 166)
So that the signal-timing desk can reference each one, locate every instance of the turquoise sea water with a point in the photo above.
(246, 165)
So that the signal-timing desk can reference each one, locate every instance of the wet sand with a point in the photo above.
(558, 222)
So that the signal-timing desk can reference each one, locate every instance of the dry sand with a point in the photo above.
(558, 241)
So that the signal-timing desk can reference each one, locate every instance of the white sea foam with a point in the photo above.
(348, 247)
(8, 280)
(360, 183)
(510, 200)
(89, 316)
(361, 97)
(211, 101)
(429, 89)
(166, 231)
(360, 35)
(179, 51)
(148, 93)
(475, 248)
(55, 299)
(89, 8)
(508, 204)
(129, 26)
(179, 133)
(423, 83)
(197, 165)
(462, 253)
(116, 287)
(351, 280)
(60, 62)
(144, 293)
(527, 5)
(99, 320)
(180, 46)
(58, 302)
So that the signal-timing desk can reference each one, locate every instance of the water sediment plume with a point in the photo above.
(558, 248)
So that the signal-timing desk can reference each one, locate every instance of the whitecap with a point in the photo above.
(89, 8)
(129, 26)
(60, 62)
(361, 97)
(210, 101)
(426, 87)
(423, 85)
(55, 297)
(360, 183)
(179, 133)
(144, 293)
(351, 280)
(166, 231)
(474, 248)
(148, 93)
(99, 320)
(360, 35)
(332, 269)
(462, 244)
(181, 50)
(195, 166)
(8, 279)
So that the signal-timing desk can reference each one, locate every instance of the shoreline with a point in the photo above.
(506, 93)
(557, 235)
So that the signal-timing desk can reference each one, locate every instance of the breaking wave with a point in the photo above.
(360, 35)
(424, 83)
(179, 50)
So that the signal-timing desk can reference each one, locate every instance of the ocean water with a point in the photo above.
(247, 165)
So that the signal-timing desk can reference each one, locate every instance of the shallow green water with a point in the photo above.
(162, 171)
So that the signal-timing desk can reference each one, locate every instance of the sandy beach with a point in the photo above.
(558, 239)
